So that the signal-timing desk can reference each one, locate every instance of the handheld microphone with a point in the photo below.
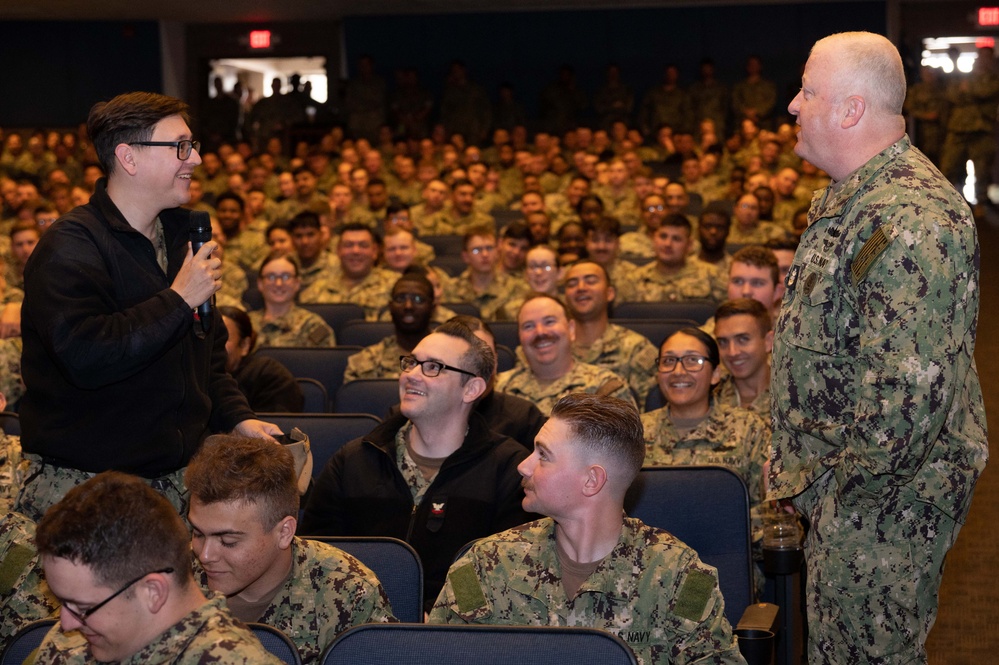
(201, 232)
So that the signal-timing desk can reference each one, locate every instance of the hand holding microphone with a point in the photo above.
(201, 274)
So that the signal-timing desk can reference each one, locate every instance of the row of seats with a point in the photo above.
(707, 507)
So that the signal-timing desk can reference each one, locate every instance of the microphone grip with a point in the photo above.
(201, 232)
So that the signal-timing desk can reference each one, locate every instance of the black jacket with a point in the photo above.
(115, 376)
(268, 385)
(476, 493)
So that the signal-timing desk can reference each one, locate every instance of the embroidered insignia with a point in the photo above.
(871, 250)
(436, 508)
(810, 283)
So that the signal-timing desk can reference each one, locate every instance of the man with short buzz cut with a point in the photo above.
(243, 515)
(309, 238)
(745, 339)
(546, 368)
(461, 216)
(433, 475)
(426, 220)
(118, 557)
(586, 564)
(879, 423)
(357, 279)
(674, 276)
(588, 295)
(482, 284)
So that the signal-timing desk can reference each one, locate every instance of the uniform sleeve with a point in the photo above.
(705, 635)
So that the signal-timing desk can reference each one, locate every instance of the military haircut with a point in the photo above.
(609, 427)
(871, 63)
(231, 468)
(129, 118)
(760, 257)
(517, 230)
(478, 231)
(677, 221)
(714, 357)
(479, 359)
(304, 220)
(749, 307)
(416, 277)
(358, 226)
(604, 224)
(119, 527)
(534, 295)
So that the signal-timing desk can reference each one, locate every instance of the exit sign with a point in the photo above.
(988, 16)
(262, 38)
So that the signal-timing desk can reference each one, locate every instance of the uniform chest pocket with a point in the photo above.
(817, 315)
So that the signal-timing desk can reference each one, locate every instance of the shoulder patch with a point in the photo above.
(467, 590)
(318, 335)
(14, 563)
(609, 387)
(694, 595)
(876, 244)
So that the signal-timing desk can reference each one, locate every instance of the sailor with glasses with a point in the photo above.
(120, 374)
(433, 475)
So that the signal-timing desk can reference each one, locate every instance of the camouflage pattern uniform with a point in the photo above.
(24, 595)
(879, 425)
(11, 470)
(425, 223)
(626, 353)
(560, 211)
(448, 222)
(325, 266)
(371, 293)
(582, 378)
(970, 126)
(925, 99)
(726, 393)
(234, 283)
(247, 249)
(695, 280)
(489, 301)
(636, 246)
(623, 206)
(299, 327)
(378, 361)
(652, 591)
(326, 592)
(209, 634)
(759, 235)
(11, 384)
(760, 95)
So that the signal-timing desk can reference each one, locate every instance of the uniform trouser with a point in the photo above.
(980, 148)
(874, 568)
(45, 484)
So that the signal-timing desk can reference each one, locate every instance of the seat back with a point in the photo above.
(695, 310)
(328, 432)
(336, 315)
(24, 641)
(466, 308)
(365, 333)
(427, 644)
(505, 358)
(505, 333)
(324, 365)
(707, 507)
(316, 398)
(397, 566)
(655, 330)
(374, 396)
(452, 265)
(277, 643)
(448, 245)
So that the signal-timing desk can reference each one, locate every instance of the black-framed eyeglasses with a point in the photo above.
(690, 363)
(184, 147)
(430, 368)
(81, 615)
(275, 277)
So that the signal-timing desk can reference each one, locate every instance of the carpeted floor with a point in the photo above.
(967, 628)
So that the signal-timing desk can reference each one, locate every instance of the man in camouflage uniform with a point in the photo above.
(356, 279)
(482, 284)
(308, 590)
(114, 534)
(586, 564)
(926, 103)
(24, 595)
(460, 216)
(588, 293)
(879, 426)
(310, 238)
(412, 307)
(546, 369)
(745, 339)
(674, 276)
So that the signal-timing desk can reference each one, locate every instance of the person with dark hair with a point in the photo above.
(281, 322)
(308, 590)
(433, 475)
(713, 228)
(586, 564)
(111, 344)
(515, 239)
(461, 215)
(357, 279)
(674, 275)
(118, 556)
(243, 246)
(482, 284)
(268, 386)
(744, 331)
(603, 245)
(309, 238)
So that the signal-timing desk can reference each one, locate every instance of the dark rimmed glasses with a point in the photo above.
(430, 368)
(81, 615)
(690, 363)
(184, 147)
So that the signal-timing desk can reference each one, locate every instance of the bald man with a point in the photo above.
(879, 425)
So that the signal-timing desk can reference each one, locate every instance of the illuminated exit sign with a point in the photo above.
(988, 16)
(262, 38)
